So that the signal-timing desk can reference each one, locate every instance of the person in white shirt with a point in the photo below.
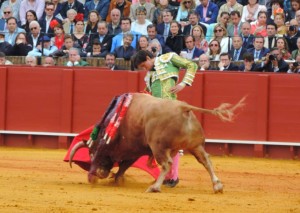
(141, 23)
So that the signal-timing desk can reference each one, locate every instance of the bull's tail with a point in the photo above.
(225, 111)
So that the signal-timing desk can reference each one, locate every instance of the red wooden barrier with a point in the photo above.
(67, 100)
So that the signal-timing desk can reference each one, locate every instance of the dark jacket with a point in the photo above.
(120, 52)
(187, 29)
(6, 48)
(263, 52)
(21, 49)
(231, 67)
(248, 41)
(282, 65)
(197, 52)
(102, 8)
(105, 44)
(175, 43)
(43, 23)
(78, 6)
(232, 51)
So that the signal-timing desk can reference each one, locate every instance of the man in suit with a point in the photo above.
(270, 40)
(292, 35)
(234, 28)
(208, 12)
(194, 20)
(12, 30)
(7, 13)
(45, 20)
(152, 34)
(122, 5)
(110, 62)
(103, 37)
(114, 27)
(225, 63)
(126, 50)
(148, 6)
(192, 52)
(100, 6)
(164, 27)
(248, 64)
(35, 35)
(274, 62)
(237, 52)
(246, 36)
(71, 4)
(5, 47)
(204, 63)
(258, 51)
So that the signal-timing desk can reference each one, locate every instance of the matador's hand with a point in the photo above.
(177, 88)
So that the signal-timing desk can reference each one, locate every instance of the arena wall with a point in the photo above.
(45, 107)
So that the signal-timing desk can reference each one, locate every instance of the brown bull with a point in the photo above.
(159, 128)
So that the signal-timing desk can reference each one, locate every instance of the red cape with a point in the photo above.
(82, 157)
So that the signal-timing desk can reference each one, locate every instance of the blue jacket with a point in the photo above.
(263, 52)
(212, 12)
(117, 40)
(102, 8)
(197, 52)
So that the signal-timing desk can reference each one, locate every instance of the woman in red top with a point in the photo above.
(58, 39)
(259, 27)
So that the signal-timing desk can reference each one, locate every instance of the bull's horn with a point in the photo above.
(74, 150)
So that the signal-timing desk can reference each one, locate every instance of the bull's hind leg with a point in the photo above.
(203, 158)
(123, 166)
(165, 160)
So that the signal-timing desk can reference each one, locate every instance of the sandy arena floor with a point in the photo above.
(35, 180)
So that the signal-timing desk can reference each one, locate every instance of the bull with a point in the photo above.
(158, 128)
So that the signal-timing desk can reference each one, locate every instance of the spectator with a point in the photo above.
(186, 6)
(96, 50)
(220, 34)
(224, 18)
(208, 12)
(48, 62)
(142, 3)
(118, 39)
(12, 30)
(152, 34)
(103, 37)
(71, 4)
(59, 34)
(175, 40)
(143, 43)
(291, 14)
(292, 35)
(46, 20)
(234, 28)
(5, 47)
(30, 16)
(35, 5)
(11, 7)
(157, 15)
(270, 40)
(44, 48)
(122, 5)
(155, 47)
(7, 13)
(296, 52)
(164, 27)
(74, 59)
(126, 50)
(298, 18)
(100, 6)
(57, 9)
(225, 63)
(204, 63)
(280, 23)
(79, 37)
(68, 44)
(30, 60)
(141, 23)
(191, 52)
(92, 23)
(3, 60)
(114, 27)
(200, 42)
(230, 6)
(248, 63)
(246, 36)
(258, 27)
(237, 52)
(258, 51)
(282, 45)
(214, 50)
(251, 10)
(110, 62)
(35, 34)
(194, 20)
(295, 67)
(21, 46)
(276, 7)
(68, 23)
(274, 62)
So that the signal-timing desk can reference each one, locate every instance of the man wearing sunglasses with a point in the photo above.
(35, 34)
(7, 13)
(208, 11)
(45, 21)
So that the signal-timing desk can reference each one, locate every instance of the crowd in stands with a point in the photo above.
(263, 35)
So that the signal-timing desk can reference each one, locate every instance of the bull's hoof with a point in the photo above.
(218, 187)
(153, 189)
(92, 179)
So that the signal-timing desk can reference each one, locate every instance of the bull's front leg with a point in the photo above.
(123, 166)
(203, 158)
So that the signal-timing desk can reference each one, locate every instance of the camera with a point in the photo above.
(153, 49)
(295, 64)
(292, 28)
(272, 57)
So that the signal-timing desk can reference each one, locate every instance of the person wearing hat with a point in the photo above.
(44, 48)
(5, 47)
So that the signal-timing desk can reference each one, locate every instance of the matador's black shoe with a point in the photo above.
(171, 183)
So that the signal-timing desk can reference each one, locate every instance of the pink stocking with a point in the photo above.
(173, 173)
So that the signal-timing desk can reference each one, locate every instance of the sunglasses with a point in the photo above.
(218, 30)
(33, 28)
(8, 12)
(213, 45)
(187, 2)
(49, 9)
